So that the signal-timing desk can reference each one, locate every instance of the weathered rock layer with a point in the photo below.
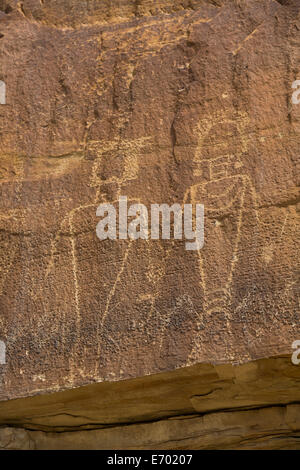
(251, 406)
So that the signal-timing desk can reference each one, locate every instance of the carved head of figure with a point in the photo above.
(222, 142)
(116, 162)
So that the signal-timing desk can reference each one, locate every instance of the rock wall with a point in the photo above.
(162, 102)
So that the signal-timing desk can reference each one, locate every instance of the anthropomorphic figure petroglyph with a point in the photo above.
(226, 192)
(231, 219)
(113, 263)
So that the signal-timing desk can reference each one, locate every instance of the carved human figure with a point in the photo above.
(121, 275)
(225, 189)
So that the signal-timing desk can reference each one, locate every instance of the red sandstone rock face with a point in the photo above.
(162, 102)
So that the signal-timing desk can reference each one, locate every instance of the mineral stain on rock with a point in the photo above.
(162, 102)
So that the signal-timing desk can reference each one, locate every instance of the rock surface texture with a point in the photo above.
(163, 102)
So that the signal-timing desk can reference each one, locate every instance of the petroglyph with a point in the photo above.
(129, 106)
(244, 41)
(115, 164)
(227, 190)
(121, 156)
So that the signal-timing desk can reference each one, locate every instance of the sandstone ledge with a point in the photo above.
(251, 406)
